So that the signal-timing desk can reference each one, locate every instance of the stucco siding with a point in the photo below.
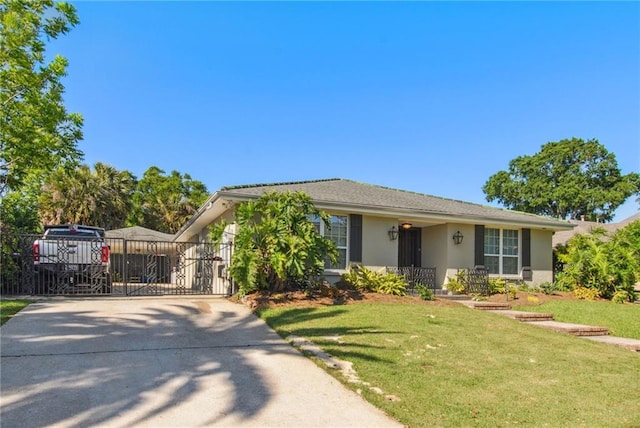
(541, 256)
(439, 250)
(377, 248)
(460, 256)
(434, 250)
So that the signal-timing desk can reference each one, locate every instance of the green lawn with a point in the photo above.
(455, 366)
(9, 308)
(621, 320)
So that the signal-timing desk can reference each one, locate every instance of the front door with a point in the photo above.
(409, 247)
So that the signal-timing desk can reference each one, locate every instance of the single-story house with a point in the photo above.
(379, 227)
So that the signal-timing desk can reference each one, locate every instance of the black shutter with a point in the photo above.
(526, 248)
(355, 238)
(479, 246)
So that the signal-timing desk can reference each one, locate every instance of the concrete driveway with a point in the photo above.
(163, 362)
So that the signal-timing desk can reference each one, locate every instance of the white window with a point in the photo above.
(338, 234)
(501, 251)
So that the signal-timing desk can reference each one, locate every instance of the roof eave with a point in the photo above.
(425, 215)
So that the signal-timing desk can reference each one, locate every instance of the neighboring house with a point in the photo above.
(586, 227)
(382, 227)
(134, 249)
(145, 256)
(138, 233)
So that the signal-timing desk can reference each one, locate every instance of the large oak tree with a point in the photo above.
(165, 202)
(566, 179)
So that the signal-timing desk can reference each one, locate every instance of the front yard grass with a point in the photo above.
(9, 308)
(621, 320)
(454, 366)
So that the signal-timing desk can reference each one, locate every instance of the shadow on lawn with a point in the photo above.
(335, 339)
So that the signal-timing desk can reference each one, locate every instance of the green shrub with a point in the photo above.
(585, 293)
(363, 279)
(524, 287)
(424, 292)
(620, 296)
(602, 261)
(457, 284)
(502, 286)
(497, 286)
(392, 283)
(277, 246)
(548, 287)
(359, 278)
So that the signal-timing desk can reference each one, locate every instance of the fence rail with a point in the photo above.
(133, 268)
(477, 281)
(415, 276)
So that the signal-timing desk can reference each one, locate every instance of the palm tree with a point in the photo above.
(101, 197)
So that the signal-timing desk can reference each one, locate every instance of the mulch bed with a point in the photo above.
(333, 297)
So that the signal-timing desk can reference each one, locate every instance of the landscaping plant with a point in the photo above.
(457, 284)
(364, 279)
(602, 262)
(277, 246)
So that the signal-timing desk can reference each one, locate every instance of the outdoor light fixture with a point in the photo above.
(457, 238)
(393, 233)
(406, 226)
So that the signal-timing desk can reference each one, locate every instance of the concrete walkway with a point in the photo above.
(594, 333)
(163, 362)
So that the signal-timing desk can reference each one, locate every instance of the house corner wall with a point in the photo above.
(541, 256)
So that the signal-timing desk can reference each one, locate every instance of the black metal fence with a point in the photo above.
(29, 266)
(416, 275)
(477, 281)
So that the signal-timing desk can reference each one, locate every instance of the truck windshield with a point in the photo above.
(75, 233)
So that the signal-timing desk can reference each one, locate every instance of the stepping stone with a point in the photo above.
(487, 306)
(574, 329)
(631, 344)
(525, 316)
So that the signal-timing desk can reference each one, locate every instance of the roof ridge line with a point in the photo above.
(453, 200)
(283, 183)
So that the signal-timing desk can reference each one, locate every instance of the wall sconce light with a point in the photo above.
(406, 226)
(457, 238)
(393, 233)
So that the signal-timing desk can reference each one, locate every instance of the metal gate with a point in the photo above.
(414, 276)
(135, 268)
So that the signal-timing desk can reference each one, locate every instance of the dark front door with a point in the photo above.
(409, 247)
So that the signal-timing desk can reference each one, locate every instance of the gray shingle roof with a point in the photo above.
(138, 233)
(587, 227)
(351, 193)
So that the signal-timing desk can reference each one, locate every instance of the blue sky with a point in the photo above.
(432, 97)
